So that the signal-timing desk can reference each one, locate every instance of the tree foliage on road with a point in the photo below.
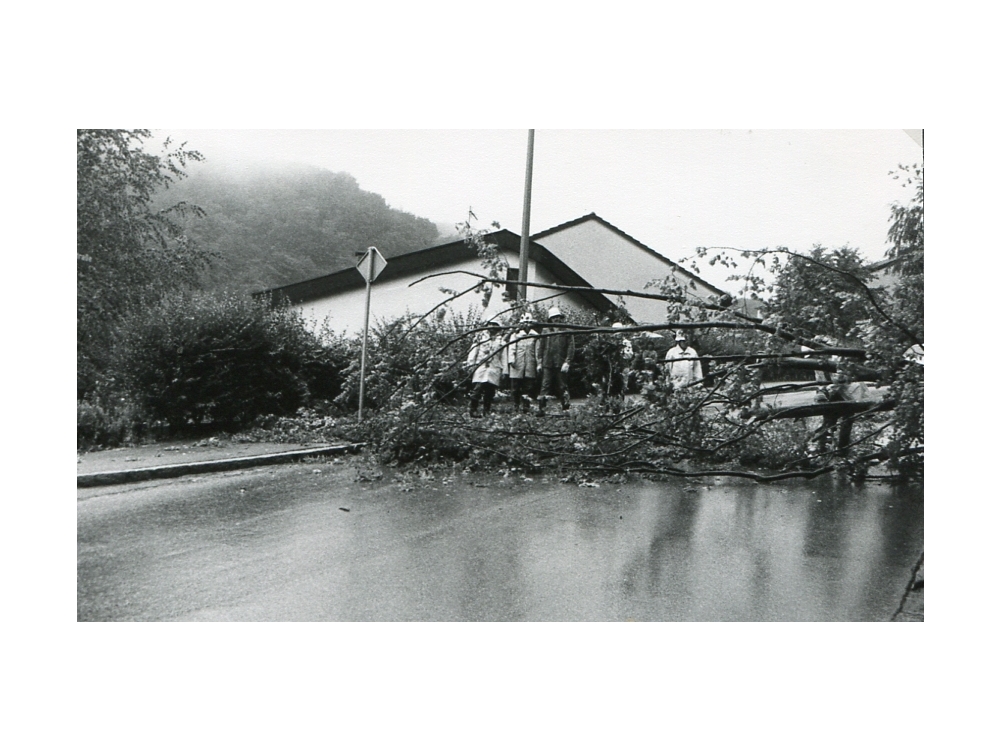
(128, 252)
(834, 298)
(858, 325)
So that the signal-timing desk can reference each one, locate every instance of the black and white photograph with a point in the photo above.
(527, 375)
(543, 375)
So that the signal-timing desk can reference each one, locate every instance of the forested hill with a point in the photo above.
(278, 225)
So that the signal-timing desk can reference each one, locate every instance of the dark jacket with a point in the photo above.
(553, 351)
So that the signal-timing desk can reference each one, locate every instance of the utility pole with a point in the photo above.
(522, 271)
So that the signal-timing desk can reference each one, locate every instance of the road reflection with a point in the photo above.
(278, 546)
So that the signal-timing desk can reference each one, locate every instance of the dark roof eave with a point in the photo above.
(398, 266)
(568, 277)
(425, 261)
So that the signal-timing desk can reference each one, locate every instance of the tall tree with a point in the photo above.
(905, 272)
(823, 293)
(898, 348)
(906, 229)
(128, 253)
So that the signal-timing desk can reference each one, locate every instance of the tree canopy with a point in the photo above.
(128, 251)
(821, 293)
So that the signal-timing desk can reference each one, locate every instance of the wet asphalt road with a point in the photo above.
(273, 544)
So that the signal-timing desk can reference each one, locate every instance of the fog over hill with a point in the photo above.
(267, 225)
(447, 232)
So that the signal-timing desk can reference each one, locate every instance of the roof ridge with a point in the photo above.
(565, 224)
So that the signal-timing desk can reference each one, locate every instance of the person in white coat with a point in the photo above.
(683, 365)
(487, 357)
(522, 367)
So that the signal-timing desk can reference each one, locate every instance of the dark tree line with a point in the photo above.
(271, 226)
(145, 229)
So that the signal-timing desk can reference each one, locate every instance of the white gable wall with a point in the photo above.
(609, 261)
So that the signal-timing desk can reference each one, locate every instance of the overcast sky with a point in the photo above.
(671, 189)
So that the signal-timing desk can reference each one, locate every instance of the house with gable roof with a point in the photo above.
(585, 253)
(611, 259)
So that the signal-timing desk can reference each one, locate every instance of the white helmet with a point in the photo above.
(554, 312)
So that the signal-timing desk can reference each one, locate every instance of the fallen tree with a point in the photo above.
(824, 316)
(724, 428)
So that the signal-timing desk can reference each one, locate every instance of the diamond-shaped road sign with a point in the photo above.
(371, 265)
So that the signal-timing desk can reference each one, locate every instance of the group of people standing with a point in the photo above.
(527, 354)
(524, 355)
(633, 365)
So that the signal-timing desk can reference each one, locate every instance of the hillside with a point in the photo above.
(271, 226)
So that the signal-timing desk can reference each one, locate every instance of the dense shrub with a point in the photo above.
(408, 360)
(98, 426)
(192, 359)
(326, 360)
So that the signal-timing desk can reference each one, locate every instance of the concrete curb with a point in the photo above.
(167, 471)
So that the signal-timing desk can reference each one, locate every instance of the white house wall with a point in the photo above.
(607, 260)
(344, 312)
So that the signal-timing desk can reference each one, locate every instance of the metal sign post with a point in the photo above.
(370, 266)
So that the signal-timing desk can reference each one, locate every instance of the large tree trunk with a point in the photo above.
(832, 409)
(825, 365)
